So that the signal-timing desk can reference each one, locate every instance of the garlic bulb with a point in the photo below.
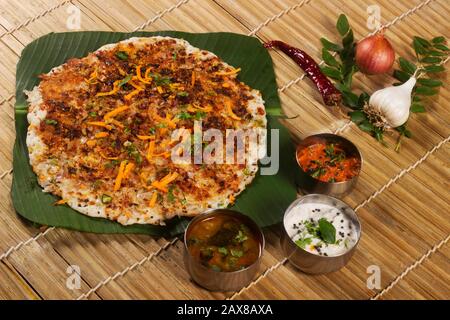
(389, 107)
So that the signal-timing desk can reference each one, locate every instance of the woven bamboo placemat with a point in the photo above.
(402, 198)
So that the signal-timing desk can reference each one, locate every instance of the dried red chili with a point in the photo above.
(331, 96)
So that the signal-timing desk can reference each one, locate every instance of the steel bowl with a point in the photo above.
(307, 261)
(221, 280)
(308, 184)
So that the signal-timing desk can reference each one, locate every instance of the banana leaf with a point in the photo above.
(264, 200)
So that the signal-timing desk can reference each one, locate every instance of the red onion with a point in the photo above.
(374, 55)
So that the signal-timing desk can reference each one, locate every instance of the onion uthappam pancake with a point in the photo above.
(100, 130)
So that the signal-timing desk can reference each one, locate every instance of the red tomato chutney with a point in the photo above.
(223, 243)
(328, 162)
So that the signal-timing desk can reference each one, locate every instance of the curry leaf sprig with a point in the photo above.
(342, 70)
(340, 65)
(430, 58)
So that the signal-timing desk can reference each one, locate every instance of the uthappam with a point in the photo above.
(101, 130)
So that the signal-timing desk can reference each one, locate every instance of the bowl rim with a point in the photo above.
(297, 201)
(211, 212)
(326, 136)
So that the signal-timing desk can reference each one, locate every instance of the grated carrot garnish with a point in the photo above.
(208, 108)
(153, 199)
(129, 167)
(158, 186)
(145, 137)
(162, 184)
(121, 71)
(92, 77)
(169, 178)
(193, 79)
(115, 112)
(119, 177)
(134, 85)
(102, 134)
(230, 111)
(150, 150)
(106, 157)
(191, 108)
(132, 94)
(113, 91)
(168, 120)
(91, 143)
(228, 73)
(147, 75)
(99, 124)
(139, 75)
(116, 123)
(60, 202)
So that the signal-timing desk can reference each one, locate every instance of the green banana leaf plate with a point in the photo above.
(264, 200)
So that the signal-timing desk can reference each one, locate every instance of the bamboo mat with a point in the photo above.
(402, 199)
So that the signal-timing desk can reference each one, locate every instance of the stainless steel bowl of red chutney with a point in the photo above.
(223, 250)
(329, 164)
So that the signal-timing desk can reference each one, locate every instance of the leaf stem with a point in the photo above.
(399, 141)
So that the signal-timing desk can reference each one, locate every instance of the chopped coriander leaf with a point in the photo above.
(223, 250)
(182, 94)
(346, 243)
(312, 228)
(240, 237)
(92, 114)
(163, 80)
(159, 80)
(152, 130)
(236, 253)
(133, 152)
(125, 80)
(329, 150)
(302, 243)
(318, 172)
(111, 164)
(170, 195)
(97, 184)
(199, 115)
(51, 122)
(122, 55)
(184, 115)
(161, 125)
(137, 157)
(106, 198)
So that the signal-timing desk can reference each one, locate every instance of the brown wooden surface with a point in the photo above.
(402, 198)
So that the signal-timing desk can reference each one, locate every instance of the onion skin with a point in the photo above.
(374, 55)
